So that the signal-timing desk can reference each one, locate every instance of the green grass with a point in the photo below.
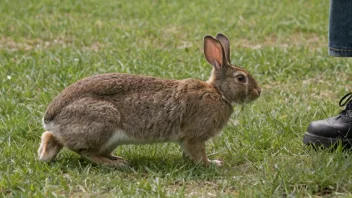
(47, 45)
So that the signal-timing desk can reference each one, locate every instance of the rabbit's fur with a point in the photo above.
(96, 114)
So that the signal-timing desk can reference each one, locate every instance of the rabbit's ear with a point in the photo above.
(214, 53)
(225, 44)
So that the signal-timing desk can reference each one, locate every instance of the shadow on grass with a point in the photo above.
(336, 147)
(172, 166)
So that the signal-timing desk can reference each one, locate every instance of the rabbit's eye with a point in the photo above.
(241, 78)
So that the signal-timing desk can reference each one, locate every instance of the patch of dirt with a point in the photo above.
(204, 189)
(37, 44)
(297, 39)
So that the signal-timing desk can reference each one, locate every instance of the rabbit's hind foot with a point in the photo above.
(106, 160)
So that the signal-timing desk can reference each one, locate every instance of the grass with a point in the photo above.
(47, 45)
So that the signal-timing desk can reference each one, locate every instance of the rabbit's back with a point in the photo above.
(106, 87)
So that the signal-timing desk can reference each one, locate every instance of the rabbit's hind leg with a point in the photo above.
(49, 147)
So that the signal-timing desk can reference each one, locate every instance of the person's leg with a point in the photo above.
(340, 28)
(339, 128)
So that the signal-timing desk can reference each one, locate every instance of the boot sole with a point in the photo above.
(316, 141)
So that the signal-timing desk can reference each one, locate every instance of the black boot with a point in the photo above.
(332, 130)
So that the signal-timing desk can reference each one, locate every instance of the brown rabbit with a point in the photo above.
(96, 114)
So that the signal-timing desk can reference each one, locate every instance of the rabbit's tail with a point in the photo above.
(49, 147)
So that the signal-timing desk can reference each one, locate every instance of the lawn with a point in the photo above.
(47, 45)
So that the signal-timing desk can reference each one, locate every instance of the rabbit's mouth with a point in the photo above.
(252, 96)
(255, 93)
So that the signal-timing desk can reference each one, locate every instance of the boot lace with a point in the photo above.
(346, 100)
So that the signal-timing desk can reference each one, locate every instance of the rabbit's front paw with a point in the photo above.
(216, 162)
(119, 163)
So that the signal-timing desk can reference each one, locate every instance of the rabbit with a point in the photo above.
(96, 114)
